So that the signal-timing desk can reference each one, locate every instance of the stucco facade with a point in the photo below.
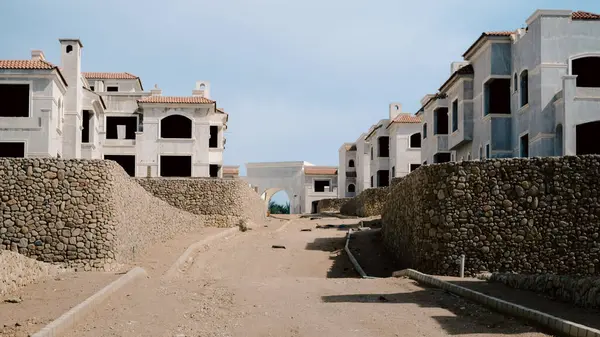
(391, 148)
(347, 174)
(530, 92)
(64, 112)
(405, 145)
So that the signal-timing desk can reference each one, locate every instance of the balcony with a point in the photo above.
(464, 131)
(441, 143)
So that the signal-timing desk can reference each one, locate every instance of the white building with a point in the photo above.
(304, 183)
(529, 92)
(389, 149)
(52, 111)
(347, 171)
(405, 144)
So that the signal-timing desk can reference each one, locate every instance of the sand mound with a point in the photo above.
(18, 270)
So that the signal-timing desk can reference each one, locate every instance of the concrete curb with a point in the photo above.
(558, 325)
(60, 325)
(355, 263)
(187, 256)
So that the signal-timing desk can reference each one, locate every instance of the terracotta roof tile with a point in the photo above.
(350, 147)
(500, 33)
(320, 170)
(176, 100)
(31, 65)
(409, 119)
(26, 64)
(405, 118)
(232, 170)
(110, 76)
(580, 15)
(487, 34)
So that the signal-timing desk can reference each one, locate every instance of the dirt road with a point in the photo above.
(243, 287)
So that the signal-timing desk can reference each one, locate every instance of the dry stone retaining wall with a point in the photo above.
(223, 202)
(583, 292)
(82, 213)
(369, 202)
(331, 205)
(530, 216)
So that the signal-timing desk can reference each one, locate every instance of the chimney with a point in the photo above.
(73, 105)
(37, 55)
(156, 91)
(202, 89)
(395, 110)
(454, 66)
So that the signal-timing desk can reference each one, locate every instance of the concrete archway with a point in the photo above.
(271, 194)
(270, 178)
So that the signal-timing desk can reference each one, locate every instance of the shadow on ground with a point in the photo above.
(533, 300)
(466, 317)
(341, 266)
(368, 249)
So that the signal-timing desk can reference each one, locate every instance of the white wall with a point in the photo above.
(41, 131)
(402, 155)
(363, 164)
(149, 146)
(378, 163)
(311, 195)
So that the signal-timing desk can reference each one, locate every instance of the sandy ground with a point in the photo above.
(241, 286)
(42, 302)
(45, 301)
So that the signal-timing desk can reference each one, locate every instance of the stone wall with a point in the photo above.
(331, 205)
(82, 213)
(369, 202)
(583, 292)
(531, 216)
(222, 202)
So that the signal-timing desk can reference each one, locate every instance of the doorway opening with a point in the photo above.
(314, 207)
(383, 178)
(441, 157)
(126, 162)
(175, 166)
(586, 138)
(12, 149)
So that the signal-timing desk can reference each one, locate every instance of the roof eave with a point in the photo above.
(453, 79)
(479, 43)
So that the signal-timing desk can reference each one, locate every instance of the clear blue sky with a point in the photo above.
(298, 78)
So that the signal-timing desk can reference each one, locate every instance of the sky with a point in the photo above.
(298, 78)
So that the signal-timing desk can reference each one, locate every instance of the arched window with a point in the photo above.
(424, 130)
(69, 49)
(351, 163)
(176, 126)
(415, 140)
(524, 88)
(351, 188)
(587, 70)
(469, 156)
